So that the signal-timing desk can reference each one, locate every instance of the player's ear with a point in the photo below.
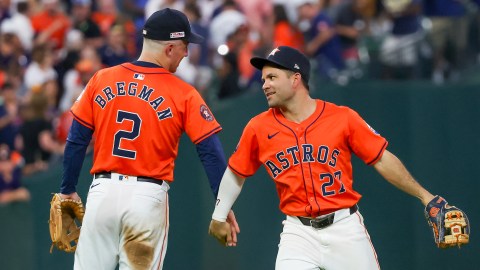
(169, 49)
(297, 79)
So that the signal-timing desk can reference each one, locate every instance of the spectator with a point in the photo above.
(198, 55)
(227, 19)
(350, 26)
(229, 43)
(82, 20)
(290, 8)
(75, 81)
(107, 16)
(321, 41)
(69, 58)
(39, 71)
(20, 25)
(207, 8)
(399, 51)
(115, 51)
(76, 77)
(51, 25)
(449, 28)
(285, 32)
(135, 10)
(4, 10)
(260, 23)
(36, 139)
(11, 188)
(9, 117)
(12, 58)
(228, 72)
(153, 5)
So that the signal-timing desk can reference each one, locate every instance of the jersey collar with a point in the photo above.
(145, 64)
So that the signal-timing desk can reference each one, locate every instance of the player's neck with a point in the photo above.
(299, 110)
(152, 58)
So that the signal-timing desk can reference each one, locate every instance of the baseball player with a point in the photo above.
(137, 112)
(306, 146)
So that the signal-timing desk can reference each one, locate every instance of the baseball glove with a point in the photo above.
(63, 227)
(450, 225)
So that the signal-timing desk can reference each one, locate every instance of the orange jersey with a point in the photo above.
(309, 162)
(143, 112)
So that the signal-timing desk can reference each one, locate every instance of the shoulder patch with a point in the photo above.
(205, 113)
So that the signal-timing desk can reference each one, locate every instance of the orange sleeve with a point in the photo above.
(245, 160)
(364, 141)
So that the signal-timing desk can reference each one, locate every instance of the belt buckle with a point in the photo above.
(322, 222)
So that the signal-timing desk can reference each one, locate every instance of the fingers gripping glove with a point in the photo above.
(63, 227)
(450, 225)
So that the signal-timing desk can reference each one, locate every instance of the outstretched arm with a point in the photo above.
(230, 188)
(211, 154)
(393, 170)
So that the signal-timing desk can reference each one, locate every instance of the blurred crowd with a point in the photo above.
(49, 49)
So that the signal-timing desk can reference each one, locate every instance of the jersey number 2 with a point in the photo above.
(126, 134)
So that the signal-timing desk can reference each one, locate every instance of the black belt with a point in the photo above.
(139, 178)
(320, 223)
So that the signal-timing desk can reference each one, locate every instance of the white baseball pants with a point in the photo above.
(343, 245)
(126, 223)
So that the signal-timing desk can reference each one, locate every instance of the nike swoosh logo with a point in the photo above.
(94, 185)
(273, 135)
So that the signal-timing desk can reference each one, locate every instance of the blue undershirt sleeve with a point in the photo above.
(210, 152)
(77, 142)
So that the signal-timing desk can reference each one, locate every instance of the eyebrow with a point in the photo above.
(269, 75)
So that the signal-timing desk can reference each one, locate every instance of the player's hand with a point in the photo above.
(221, 231)
(73, 196)
(234, 228)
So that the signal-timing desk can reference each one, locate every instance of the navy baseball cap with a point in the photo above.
(287, 58)
(169, 24)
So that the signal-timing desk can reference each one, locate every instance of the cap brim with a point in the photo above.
(194, 38)
(259, 63)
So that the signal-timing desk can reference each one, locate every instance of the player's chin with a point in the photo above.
(271, 103)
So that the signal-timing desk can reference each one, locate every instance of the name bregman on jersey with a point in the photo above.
(131, 90)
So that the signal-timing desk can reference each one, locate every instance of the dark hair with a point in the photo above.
(39, 52)
(229, 3)
(8, 38)
(280, 13)
(22, 7)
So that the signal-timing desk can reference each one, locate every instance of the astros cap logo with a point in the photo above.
(274, 51)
